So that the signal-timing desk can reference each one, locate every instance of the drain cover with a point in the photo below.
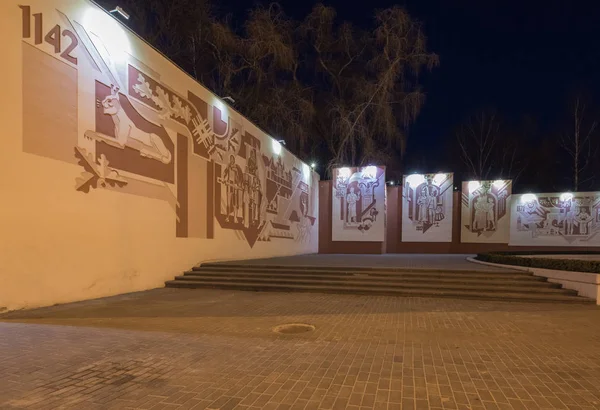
(293, 328)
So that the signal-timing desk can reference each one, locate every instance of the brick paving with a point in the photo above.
(196, 349)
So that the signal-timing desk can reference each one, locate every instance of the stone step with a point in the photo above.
(358, 290)
(470, 286)
(435, 273)
(381, 269)
(425, 278)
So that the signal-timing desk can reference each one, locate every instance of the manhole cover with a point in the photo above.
(293, 328)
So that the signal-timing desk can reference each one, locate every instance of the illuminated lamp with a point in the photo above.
(499, 183)
(526, 198)
(370, 171)
(567, 196)
(344, 172)
(415, 180)
(473, 186)
(439, 178)
(109, 31)
(276, 146)
(306, 171)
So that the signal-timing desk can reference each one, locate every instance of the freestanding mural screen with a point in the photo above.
(427, 207)
(567, 219)
(485, 211)
(358, 204)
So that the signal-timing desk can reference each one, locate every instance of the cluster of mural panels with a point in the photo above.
(489, 212)
(358, 204)
(427, 207)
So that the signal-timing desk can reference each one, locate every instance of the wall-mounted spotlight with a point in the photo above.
(122, 12)
(228, 98)
(313, 165)
(281, 141)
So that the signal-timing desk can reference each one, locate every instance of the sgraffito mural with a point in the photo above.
(358, 204)
(567, 219)
(427, 207)
(485, 211)
(135, 131)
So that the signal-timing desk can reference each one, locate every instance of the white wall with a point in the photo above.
(485, 211)
(427, 202)
(358, 204)
(555, 219)
(163, 207)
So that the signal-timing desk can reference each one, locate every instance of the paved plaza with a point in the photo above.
(197, 349)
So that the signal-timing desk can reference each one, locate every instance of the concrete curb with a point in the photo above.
(586, 284)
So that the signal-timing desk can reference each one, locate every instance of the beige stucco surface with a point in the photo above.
(59, 244)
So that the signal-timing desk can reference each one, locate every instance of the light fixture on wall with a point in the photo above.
(228, 98)
(344, 172)
(370, 171)
(567, 196)
(313, 165)
(527, 198)
(473, 186)
(439, 178)
(415, 180)
(109, 35)
(498, 183)
(392, 183)
(122, 12)
(306, 172)
(281, 142)
(276, 146)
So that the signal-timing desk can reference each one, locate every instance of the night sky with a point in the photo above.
(519, 57)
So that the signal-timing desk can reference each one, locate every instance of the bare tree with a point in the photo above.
(477, 140)
(369, 90)
(487, 149)
(581, 144)
(325, 87)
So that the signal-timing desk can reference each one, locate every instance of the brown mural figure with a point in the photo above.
(487, 206)
(149, 144)
(144, 138)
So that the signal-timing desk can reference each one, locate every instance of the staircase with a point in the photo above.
(471, 284)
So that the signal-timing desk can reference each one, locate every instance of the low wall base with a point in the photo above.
(586, 284)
